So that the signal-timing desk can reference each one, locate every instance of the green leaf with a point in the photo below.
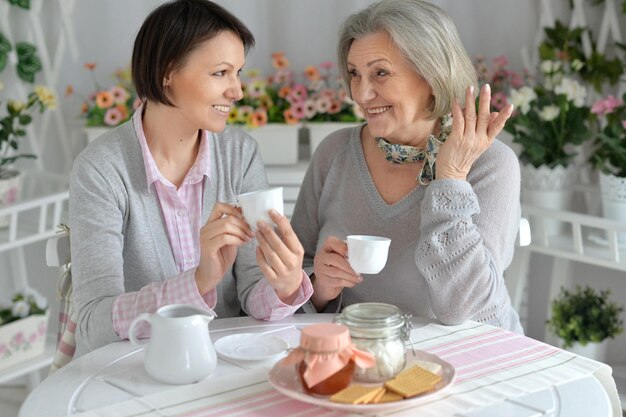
(24, 4)
(25, 119)
(28, 63)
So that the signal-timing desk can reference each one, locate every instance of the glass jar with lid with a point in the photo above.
(382, 330)
(326, 358)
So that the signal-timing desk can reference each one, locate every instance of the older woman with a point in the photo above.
(452, 223)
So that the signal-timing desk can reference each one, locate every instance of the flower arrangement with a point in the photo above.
(110, 106)
(585, 316)
(551, 116)
(281, 98)
(23, 304)
(265, 100)
(13, 124)
(500, 78)
(326, 98)
(609, 154)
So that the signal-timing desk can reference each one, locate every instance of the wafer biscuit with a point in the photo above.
(389, 396)
(381, 391)
(355, 394)
(412, 382)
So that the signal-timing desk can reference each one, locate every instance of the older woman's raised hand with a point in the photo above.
(333, 273)
(472, 134)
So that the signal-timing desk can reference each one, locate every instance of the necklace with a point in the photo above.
(406, 154)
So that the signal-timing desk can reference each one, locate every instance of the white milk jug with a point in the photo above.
(180, 350)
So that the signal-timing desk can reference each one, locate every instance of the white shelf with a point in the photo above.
(31, 365)
(35, 217)
(576, 243)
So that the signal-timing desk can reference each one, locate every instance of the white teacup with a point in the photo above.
(367, 254)
(257, 204)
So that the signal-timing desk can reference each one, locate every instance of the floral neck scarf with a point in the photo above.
(405, 154)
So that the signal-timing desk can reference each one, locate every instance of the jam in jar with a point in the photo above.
(326, 358)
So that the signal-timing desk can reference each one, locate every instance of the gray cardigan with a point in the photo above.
(450, 241)
(119, 242)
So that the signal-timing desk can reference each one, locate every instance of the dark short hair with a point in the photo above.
(170, 33)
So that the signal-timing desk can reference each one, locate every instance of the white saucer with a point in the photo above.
(250, 346)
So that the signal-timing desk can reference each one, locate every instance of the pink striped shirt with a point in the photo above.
(182, 209)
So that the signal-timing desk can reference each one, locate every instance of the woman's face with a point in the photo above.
(208, 83)
(393, 97)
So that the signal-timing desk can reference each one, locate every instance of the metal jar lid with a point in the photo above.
(375, 320)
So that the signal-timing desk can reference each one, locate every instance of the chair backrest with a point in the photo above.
(58, 250)
(58, 255)
(515, 277)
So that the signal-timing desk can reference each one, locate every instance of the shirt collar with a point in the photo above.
(200, 168)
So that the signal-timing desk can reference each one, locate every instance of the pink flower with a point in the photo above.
(297, 110)
(113, 117)
(327, 65)
(119, 94)
(606, 106)
(3, 349)
(298, 93)
(32, 338)
(500, 61)
(335, 107)
(516, 79)
(498, 100)
(18, 337)
(310, 109)
(10, 196)
(624, 124)
(598, 107)
(322, 104)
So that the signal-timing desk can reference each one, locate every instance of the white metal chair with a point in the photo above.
(515, 275)
(58, 255)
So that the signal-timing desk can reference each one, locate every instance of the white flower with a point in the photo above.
(20, 309)
(549, 113)
(522, 98)
(40, 301)
(573, 90)
(577, 64)
(550, 67)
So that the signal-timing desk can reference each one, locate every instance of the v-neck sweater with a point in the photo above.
(450, 240)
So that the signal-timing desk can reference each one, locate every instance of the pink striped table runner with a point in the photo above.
(492, 365)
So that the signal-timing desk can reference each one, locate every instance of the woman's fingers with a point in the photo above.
(498, 121)
(484, 113)
(470, 112)
(221, 209)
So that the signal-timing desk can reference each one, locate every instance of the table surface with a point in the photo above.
(114, 375)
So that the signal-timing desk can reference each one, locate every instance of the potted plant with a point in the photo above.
(23, 327)
(266, 111)
(326, 106)
(12, 131)
(550, 121)
(107, 107)
(584, 319)
(609, 157)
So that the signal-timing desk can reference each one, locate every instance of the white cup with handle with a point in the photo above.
(367, 254)
(256, 205)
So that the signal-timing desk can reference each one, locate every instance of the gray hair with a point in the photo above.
(427, 37)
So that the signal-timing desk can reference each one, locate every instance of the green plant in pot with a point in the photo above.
(17, 114)
(551, 117)
(609, 154)
(585, 316)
